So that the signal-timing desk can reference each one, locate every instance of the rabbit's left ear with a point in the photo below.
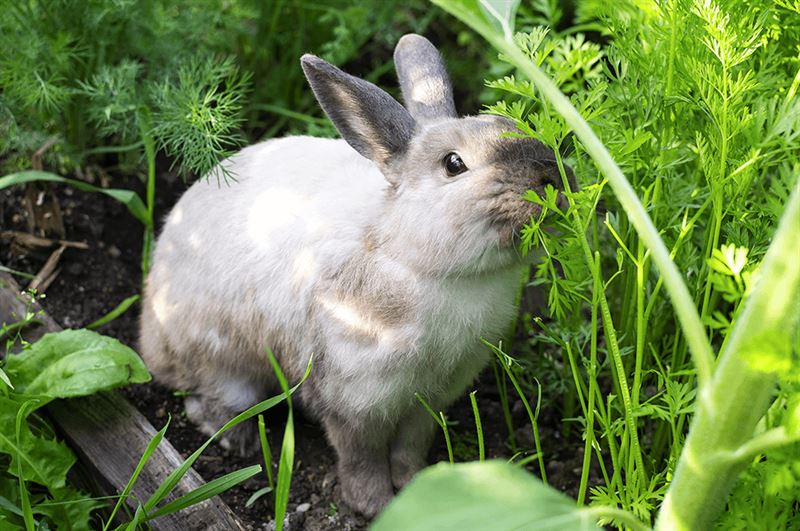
(368, 118)
(427, 92)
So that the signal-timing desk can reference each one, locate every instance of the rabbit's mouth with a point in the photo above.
(508, 216)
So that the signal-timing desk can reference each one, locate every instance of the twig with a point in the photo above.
(31, 240)
(48, 273)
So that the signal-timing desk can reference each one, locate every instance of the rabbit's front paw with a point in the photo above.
(210, 415)
(366, 492)
(405, 465)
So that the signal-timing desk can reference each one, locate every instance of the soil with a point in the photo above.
(92, 282)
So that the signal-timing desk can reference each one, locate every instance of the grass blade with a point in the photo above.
(113, 314)
(257, 495)
(128, 198)
(266, 452)
(478, 426)
(209, 490)
(442, 422)
(168, 485)
(534, 417)
(151, 447)
(286, 463)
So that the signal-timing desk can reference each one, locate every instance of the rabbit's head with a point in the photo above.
(455, 201)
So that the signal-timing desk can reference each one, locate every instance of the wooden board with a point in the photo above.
(109, 436)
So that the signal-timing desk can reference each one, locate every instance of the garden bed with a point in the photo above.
(93, 281)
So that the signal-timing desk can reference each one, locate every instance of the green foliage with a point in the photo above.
(210, 74)
(670, 104)
(67, 364)
(696, 103)
(72, 64)
(766, 494)
(197, 113)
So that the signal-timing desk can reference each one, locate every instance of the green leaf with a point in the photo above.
(489, 495)
(75, 363)
(129, 198)
(257, 495)
(41, 460)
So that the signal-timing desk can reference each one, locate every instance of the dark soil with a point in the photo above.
(92, 282)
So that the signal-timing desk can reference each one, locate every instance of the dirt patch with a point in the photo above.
(92, 282)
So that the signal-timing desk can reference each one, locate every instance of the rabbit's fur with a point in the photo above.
(362, 251)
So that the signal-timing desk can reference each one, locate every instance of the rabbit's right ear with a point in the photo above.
(368, 118)
(426, 87)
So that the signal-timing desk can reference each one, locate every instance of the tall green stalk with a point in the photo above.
(150, 155)
(720, 440)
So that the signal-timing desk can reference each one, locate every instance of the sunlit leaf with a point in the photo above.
(489, 495)
(75, 363)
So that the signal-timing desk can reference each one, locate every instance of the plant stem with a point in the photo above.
(447, 437)
(534, 418)
(478, 426)
(502, 390)
(729, 408)
(150, 155)
(589, 415)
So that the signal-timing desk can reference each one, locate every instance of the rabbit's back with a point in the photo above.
(236, 264)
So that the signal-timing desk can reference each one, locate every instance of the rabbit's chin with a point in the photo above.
(494, 258)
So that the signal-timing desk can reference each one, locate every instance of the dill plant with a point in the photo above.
(113, 83)
(662, 246)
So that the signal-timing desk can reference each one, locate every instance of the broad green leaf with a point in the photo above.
(75, 363)
(43, 461)
(129, 198)
(485, 16)
(489, 495)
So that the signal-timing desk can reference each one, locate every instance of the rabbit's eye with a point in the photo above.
(454, 165)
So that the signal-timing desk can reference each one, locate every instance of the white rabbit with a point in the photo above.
(387, 254)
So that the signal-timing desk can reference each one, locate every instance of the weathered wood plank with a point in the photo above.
(109, 436)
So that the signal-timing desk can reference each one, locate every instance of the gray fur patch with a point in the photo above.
(427, 92)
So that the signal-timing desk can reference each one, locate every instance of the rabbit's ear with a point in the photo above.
(426, 87)
(368, 118)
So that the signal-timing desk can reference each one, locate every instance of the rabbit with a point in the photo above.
(388, 254)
